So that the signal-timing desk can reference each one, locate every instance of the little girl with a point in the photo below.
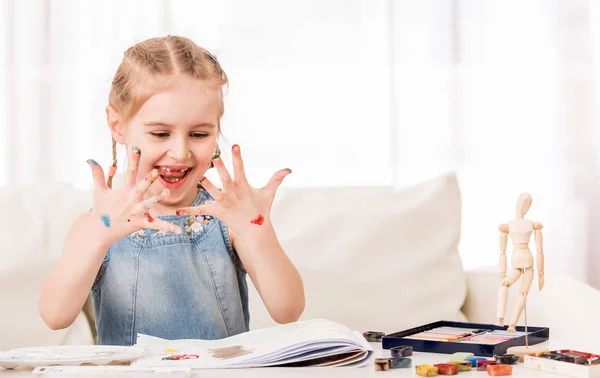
(162, 254)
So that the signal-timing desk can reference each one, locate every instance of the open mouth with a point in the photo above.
(173, 175)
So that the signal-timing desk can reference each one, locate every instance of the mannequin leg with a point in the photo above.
(525, 285)
(510, 279)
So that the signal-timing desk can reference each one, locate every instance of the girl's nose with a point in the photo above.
(179, 153)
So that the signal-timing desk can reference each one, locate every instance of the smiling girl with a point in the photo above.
(167, 253)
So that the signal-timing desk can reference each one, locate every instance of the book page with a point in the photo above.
(260, 347)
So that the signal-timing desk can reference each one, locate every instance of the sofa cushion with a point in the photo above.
(370, 258)
(565, 305)
(35, 223)
(373, 258)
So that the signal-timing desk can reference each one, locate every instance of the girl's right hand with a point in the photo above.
(123, 211)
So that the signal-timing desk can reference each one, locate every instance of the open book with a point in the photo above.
(304, 343)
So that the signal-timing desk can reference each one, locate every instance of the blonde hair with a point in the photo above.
(145, 62)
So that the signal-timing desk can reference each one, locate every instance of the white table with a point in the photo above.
(341, 372)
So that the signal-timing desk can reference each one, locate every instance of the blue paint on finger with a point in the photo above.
(92, 161)
(105, 219)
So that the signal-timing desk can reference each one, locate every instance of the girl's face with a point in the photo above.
(176, 130)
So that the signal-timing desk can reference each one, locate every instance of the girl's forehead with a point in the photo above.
(183, 102)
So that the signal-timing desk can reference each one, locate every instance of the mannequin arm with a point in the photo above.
(503, 228)
(539, 243)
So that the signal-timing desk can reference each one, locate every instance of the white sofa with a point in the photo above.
(371, 258)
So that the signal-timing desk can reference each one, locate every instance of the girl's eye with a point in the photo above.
(160, 135)
(163, 135)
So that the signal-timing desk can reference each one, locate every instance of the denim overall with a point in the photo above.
(175, 286)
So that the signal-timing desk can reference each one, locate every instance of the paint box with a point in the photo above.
(590, 369)
(447, 337)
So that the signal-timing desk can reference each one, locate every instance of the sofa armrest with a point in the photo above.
(570, 308)
(20, 322)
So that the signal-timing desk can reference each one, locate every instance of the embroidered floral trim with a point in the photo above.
(140, 234)
(195, 223)
(159, 233)
(192, 225)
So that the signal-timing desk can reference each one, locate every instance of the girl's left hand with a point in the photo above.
(239, 205)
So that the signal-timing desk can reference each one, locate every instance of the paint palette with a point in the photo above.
(450, 337)
(566, 362)
(69, 355)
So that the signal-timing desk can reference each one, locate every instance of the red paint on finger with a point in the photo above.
(179, 212)
(259, 220)
(202, 178)
(150, 218)
(235, 147)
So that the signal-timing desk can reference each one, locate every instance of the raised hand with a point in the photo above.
(239, 205)
(124, 211)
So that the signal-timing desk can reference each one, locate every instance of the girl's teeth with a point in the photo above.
(169, 169)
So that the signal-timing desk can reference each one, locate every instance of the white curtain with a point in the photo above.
(344, 92)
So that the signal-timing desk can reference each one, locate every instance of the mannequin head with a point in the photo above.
(523, 204)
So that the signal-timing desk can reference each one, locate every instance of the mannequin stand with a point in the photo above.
(523, 351)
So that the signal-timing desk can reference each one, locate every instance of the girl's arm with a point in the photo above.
(69, 283)
(116, 214)
(273, 274)
(247, 213)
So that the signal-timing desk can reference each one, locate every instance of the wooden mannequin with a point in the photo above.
(520, 230)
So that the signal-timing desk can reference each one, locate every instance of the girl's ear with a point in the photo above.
(114, 124)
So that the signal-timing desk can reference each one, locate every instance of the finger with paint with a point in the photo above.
(133, 166)
(142, 187)
(143, 206)
(148, 221)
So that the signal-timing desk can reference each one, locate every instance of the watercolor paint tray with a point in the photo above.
(485, 340)
(587, 370)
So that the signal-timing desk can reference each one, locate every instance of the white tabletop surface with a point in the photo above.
(331, 372)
